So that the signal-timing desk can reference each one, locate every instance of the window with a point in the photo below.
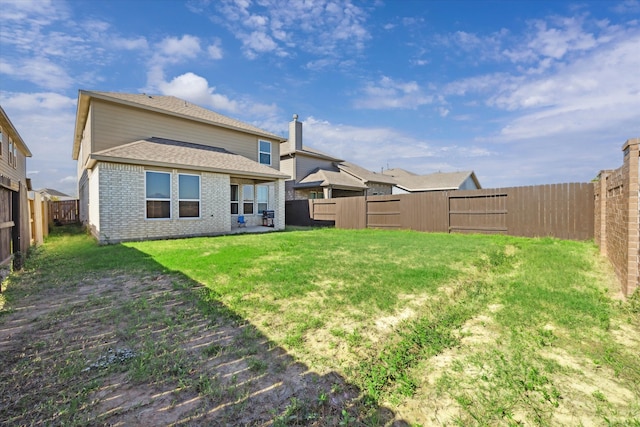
(1, 142)
(247, 199)
(15, 156)
(263, 197)
(234, 199)
(188, 196)
(316, 195)
(264, 152)
(158, 194)
(10, 151)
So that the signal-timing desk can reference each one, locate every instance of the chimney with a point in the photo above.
(295, 134)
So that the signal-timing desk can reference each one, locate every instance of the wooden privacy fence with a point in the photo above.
(564, 211)
(63, 212)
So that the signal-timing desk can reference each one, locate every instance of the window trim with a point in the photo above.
(258, 201)
(199, 199)
(154, 199)
(260, 152)
(10, 151)
(250, 201)
(237, 201)
(1, 142)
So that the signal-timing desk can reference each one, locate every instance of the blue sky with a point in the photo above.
(521, 92)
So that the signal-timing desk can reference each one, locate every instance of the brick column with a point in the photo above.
(631, 158)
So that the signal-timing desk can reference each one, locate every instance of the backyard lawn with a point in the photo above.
(320, 327)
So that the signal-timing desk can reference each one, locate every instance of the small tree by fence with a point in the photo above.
(559, 210)
(63, 212)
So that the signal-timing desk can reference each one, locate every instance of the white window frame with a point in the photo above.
(199, 199)
(246, 201)
(1, 143)
(10, 150)
(237, 201)
(261, 152)
(154, 199)
(262, 202)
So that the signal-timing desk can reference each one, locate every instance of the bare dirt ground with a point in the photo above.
(121, 350)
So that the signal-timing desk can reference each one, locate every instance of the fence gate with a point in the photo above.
(63, 212)
(477, 212)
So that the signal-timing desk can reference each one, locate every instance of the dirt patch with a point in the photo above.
(186, 366)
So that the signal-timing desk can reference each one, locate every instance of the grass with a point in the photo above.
(480, 330)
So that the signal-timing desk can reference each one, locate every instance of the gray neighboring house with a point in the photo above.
(54, 195)
(408, 182)
(152, 167)
(317, 175)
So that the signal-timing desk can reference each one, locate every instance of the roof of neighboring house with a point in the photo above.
(312, 152)
(329, 178)
(364, 174)
(52, 192)
(161, 104)
(11, 130)
(162, 152)
(396, 172)
(434, 181)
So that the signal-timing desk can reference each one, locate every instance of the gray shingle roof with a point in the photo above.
(306, 150)
(433, 181)
(364, 174)
(186, 155)
(326, 178)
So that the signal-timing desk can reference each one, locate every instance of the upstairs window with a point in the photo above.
(188, 196)
(264, 152)
(15, 156)
(158, 194)
(247, 199)
(10, 152)
(1, 142)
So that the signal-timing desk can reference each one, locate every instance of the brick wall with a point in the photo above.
(617, 214)
(123, 214)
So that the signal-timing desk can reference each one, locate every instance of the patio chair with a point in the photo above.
(241, 222)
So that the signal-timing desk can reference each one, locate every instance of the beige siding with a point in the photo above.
(305, 165)
(17, 173)
(85, 143)
(286, 166)
(115, 125)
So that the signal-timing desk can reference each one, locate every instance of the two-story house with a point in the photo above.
(316, 175)
(14, 202)
(152, 167)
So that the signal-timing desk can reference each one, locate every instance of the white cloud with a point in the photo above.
(215, 50)
(38, 70)
(135, 43)
(377, 147)
(323, 27)
(174, 50)
(392, 94)
(45, 122)
(196, 89)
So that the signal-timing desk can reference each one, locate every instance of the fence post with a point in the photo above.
(631, 158)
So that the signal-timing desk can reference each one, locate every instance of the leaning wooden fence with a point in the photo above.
(564, 211)
(63, 212)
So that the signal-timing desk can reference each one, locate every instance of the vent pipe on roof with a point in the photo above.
(295, 134)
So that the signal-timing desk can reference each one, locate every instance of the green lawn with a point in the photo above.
(440, 329)
(503, 329)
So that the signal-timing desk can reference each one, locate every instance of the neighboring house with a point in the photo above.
(316, 175)
(54, 195)
(152, 167)
(14, 202)
(408, 182)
